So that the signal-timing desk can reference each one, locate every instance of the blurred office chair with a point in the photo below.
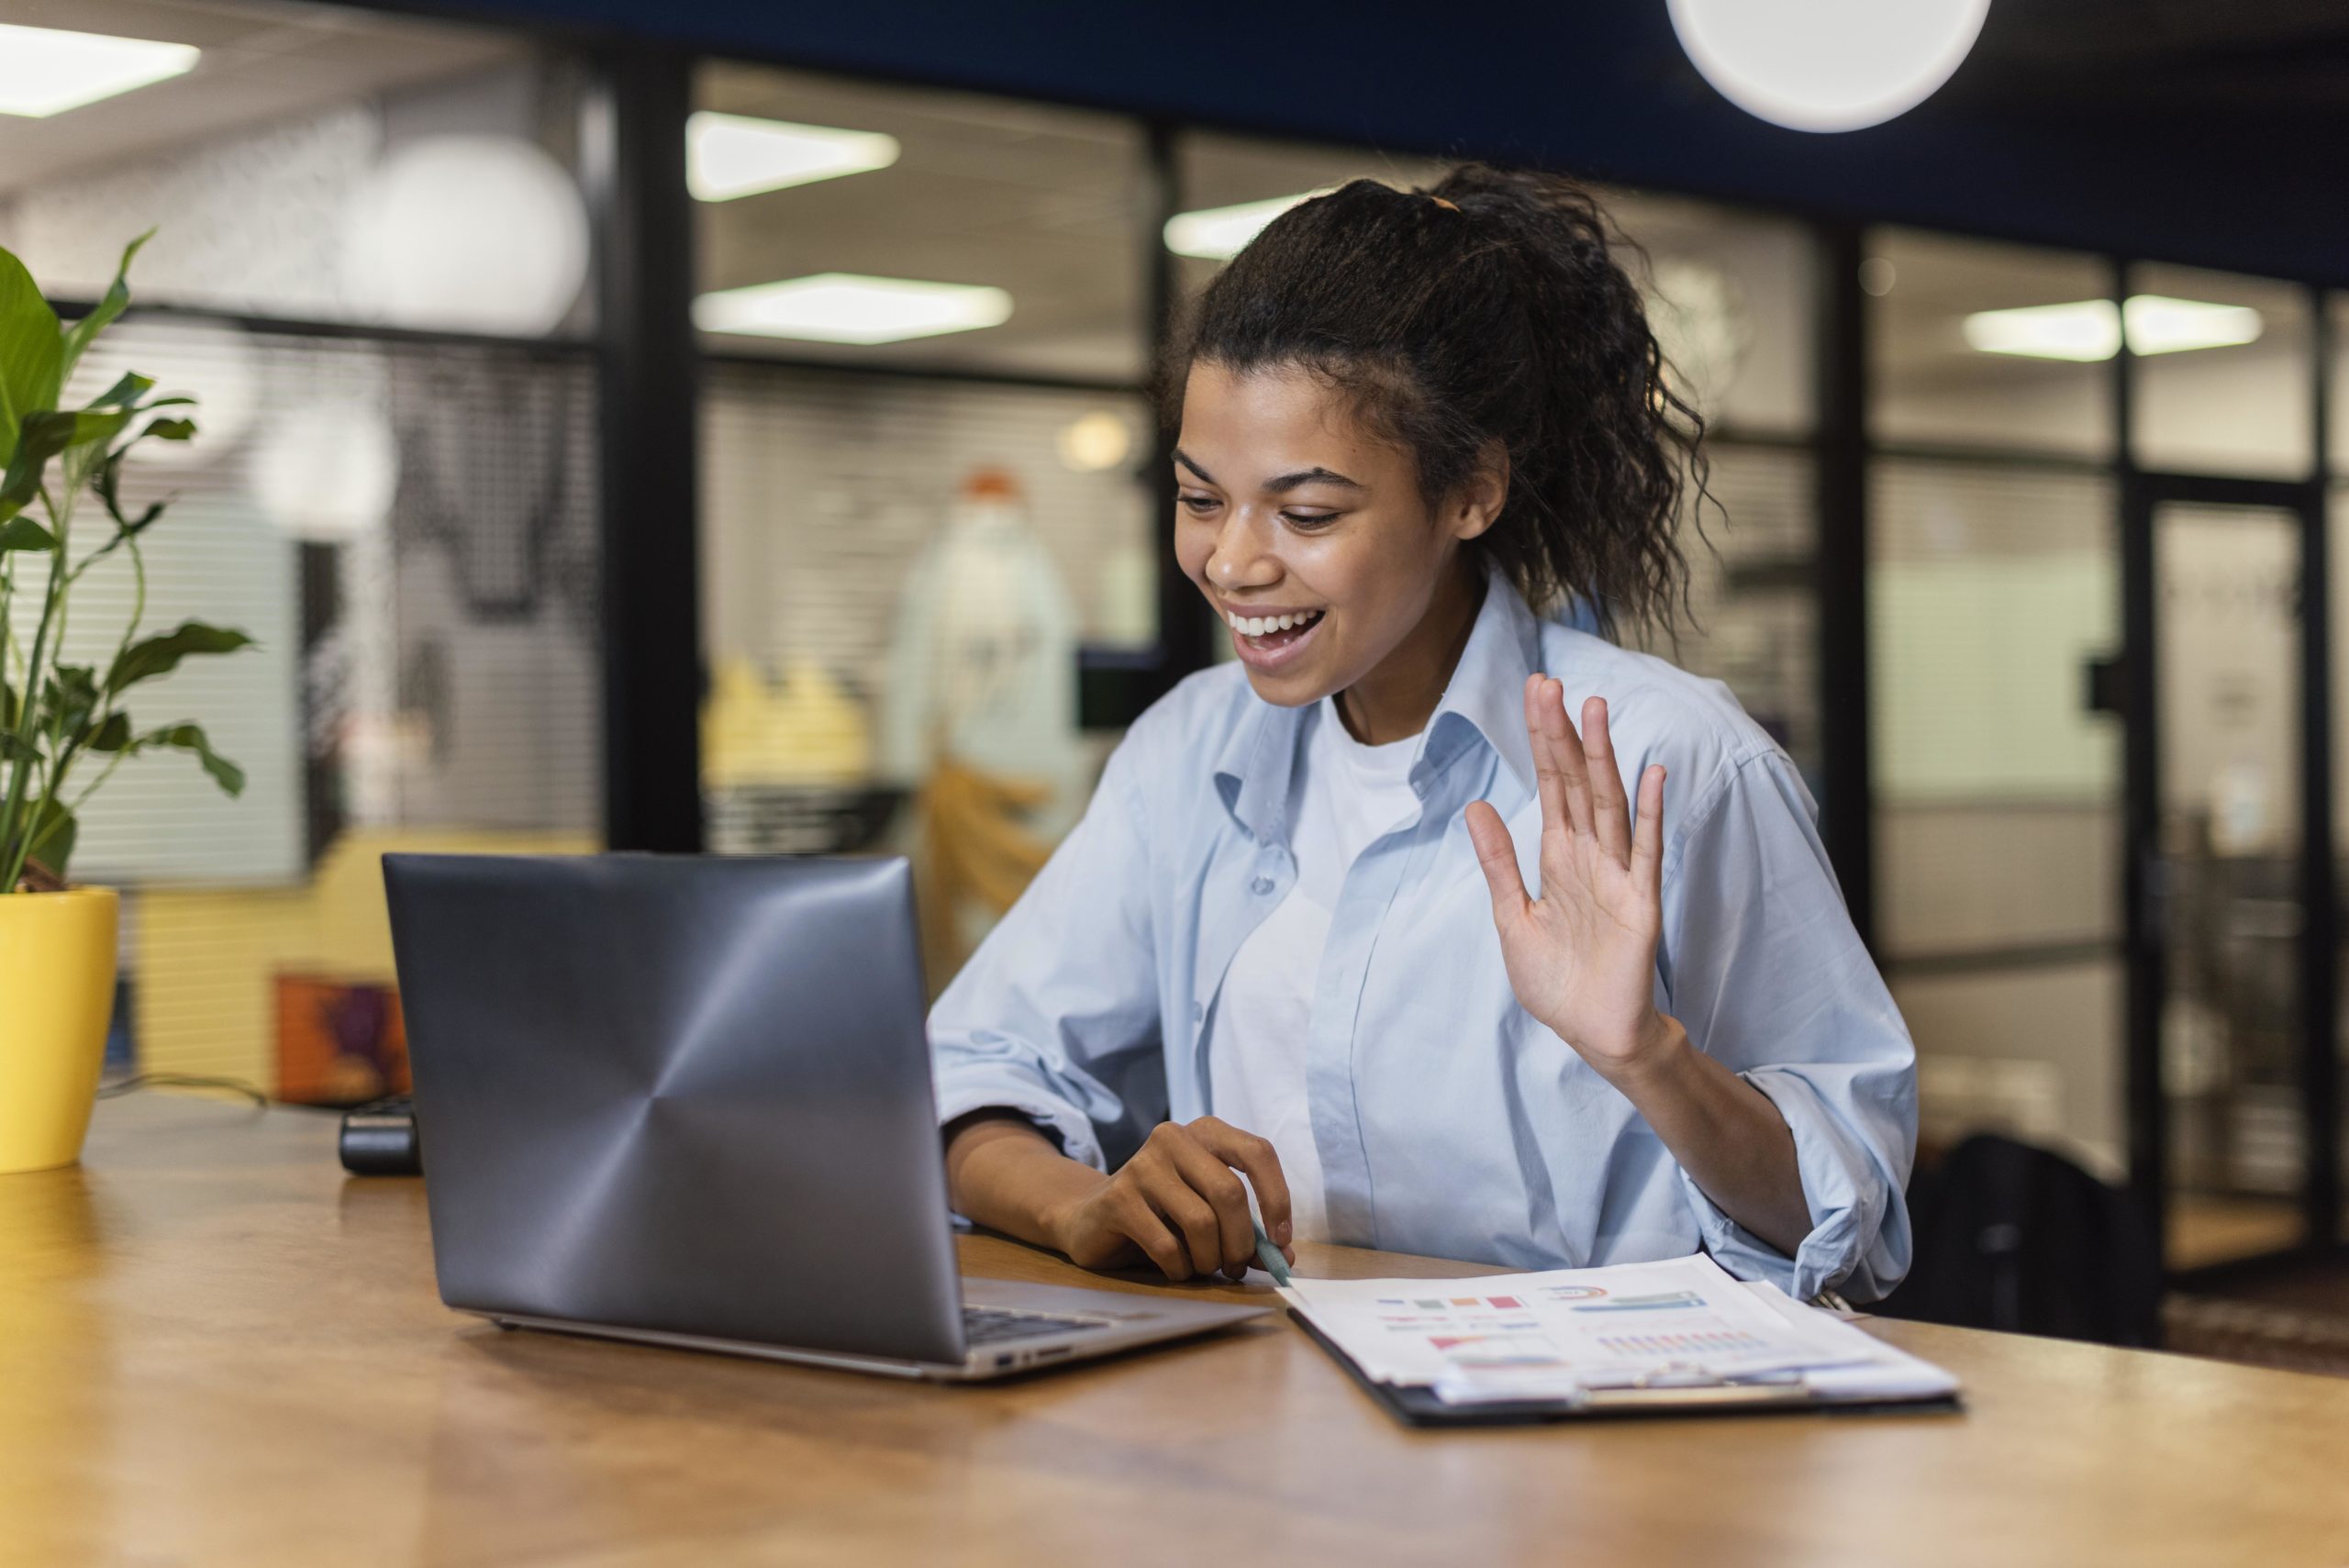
(2018, 1238)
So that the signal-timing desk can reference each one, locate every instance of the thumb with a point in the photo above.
(1496, 854)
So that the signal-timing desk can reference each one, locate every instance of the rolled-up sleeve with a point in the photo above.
(1061, 1000)
(1762, 966)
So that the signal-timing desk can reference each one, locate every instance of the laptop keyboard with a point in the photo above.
(992, 1325)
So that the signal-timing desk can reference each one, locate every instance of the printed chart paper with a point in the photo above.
(1552, 1335)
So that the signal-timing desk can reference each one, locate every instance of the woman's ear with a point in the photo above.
(1475, 505)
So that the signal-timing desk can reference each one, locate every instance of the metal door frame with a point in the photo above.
(2143, 493)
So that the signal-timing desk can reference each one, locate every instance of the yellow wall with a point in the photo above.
(203, 964)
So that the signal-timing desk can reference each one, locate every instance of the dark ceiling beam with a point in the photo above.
(1602, 86)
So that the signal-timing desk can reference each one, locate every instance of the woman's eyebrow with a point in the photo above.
(1280, 485)
(1311, 476)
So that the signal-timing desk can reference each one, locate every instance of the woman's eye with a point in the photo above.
(1309, 520)
(1201, 505)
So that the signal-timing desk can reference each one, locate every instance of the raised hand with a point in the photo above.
(1581, 957)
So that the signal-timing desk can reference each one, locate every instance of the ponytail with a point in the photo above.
(1489, 309)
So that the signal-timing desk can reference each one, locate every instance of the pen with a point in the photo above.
(1270, 1256)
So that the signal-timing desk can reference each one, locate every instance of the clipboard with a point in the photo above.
(1418, 1407)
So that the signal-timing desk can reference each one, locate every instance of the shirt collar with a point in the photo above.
(1484, 701)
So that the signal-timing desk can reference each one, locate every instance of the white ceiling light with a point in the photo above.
(327, 473)
(2089, 329)
(1220, 233)
(2083, 329)
(47, 71)
(728, 156)
(466, 233)
(843, 308)
(2158, 325)
(1827, 64)
(1093, 442)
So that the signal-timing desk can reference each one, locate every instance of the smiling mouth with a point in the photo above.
(1269, 634)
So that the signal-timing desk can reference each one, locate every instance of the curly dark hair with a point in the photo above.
(1490, 307)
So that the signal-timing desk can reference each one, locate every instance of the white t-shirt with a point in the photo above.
(1343, 795)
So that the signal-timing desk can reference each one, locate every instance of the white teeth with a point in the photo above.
(1263, 626)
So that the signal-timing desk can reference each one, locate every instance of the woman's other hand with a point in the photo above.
(1179, 1202)
(1581, 957)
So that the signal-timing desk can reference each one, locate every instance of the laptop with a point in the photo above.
(687, 1101)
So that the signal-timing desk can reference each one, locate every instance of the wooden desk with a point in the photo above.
(214, 1348)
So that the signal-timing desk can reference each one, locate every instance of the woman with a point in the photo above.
(1299, 900)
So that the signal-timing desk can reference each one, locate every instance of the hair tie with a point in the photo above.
(1449, 206)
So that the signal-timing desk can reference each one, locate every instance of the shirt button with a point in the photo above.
(1261, 886)
(1197, 1012)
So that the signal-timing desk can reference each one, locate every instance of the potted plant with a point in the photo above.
(63, 727)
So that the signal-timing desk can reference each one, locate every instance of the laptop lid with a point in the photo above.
(679, 1093)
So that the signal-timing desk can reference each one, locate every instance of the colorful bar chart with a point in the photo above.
(1693, 1341)
(1676, 1301)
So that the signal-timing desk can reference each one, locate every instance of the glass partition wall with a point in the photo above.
(2089, 523)
(1993, 589)
(932, 526)
(923, 335)
(370, 266)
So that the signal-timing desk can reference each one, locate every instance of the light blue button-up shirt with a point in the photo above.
(1448, 1120)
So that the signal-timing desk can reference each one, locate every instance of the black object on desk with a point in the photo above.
(379, 1139)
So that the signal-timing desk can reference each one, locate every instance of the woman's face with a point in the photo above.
(1286, 510)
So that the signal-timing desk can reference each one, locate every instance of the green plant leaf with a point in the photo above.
(124, 393)
(70, 701)
(23, 533)
(53, 833)
(107, 483)
(116, 300)
(44, 434)
(31, 351)
(161, 655)
(114, 735)
(189, 738)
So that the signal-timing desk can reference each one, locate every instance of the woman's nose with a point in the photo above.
(1239, 561)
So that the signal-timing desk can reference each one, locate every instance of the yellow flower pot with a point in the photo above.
(57, 952)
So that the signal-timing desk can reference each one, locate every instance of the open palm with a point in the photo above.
(1581, 958)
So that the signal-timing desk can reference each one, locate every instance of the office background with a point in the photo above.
(557, 532)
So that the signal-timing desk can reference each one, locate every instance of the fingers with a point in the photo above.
(1130, 1216)
(1191, 1194)
(1232, 1229)
(1558, 749)
(1257, 1159)
(1610, 812)
(1497, 852)
(1552, 782)
(1647, 832)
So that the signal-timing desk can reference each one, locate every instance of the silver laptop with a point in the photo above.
(688, 1101)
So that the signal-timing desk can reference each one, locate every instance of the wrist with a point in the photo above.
(1054, 1214)
(1661, 1051)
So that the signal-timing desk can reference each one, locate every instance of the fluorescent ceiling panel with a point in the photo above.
(2082, 329)
(1220, 233)
(46, 70)
(2158, 325)
(2090, 328)
(727, 156)
(843, 308)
